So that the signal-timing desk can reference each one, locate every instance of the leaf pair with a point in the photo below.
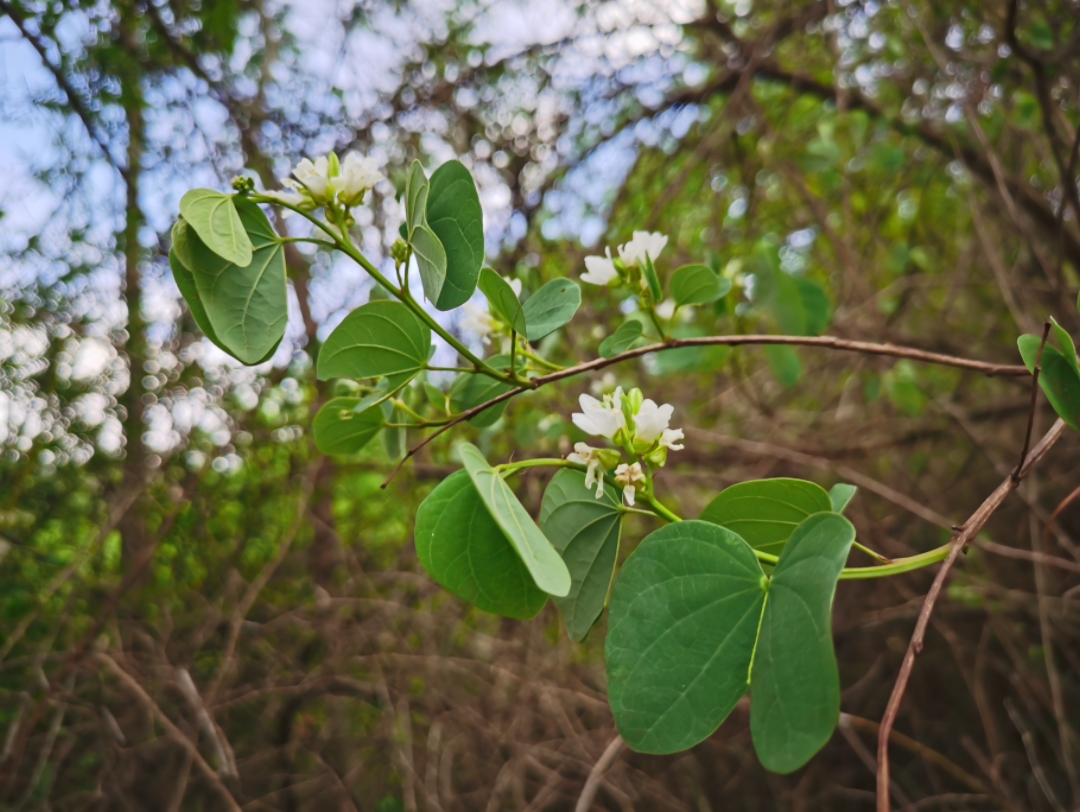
(229, 265)
(445, 229)
(550, 308)
(477, 540)
(695, 620)
(1060, 373)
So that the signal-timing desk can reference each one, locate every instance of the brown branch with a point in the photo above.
(971, 529)
(171, 730)
(827, 342)
(596, 774)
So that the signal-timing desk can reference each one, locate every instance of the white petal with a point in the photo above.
(628, 495)
(585, 424)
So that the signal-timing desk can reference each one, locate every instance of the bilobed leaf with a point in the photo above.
(543, 562)
(455, 216)
(340, 429)
(502, 300)
(247, 305)
(697, 285)
(417, 188)
(216, 219)
(551, 307)
(622, 339)
(794, 682)
(841, 495)
(472, 389)
(464, 550)
(766, 512)
(1058, 380)
(683, 620)
(379, 339)
(430, 259)
(585, 530)
(784, 364)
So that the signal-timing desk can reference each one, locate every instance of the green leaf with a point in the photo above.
(247, 305)
(621, 340)
(341, 429)
(841, 495)
(684, 615)
(430, 259)
(502, 300)
(1068, 348)
(585, 530)
(417, 188)
(784, 363)
(465, 551)
(550, 308)
(648, 273)
(455, 216)
(379, 339)
(472, 389)
(766, 512)
(794, 682)
(216, 219)
(816, 305)
(1058, 380)
(540, 557)
(697, 285)
(393, 438)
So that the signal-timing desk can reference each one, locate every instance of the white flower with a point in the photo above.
(315, 177)
(666, 309)
(479, 320)
(601, 270)
(668, 438)
(600, 419)
(643, 242)
(651, 420)
(629, 476)
(584, 454)
(358, 174)
(289, 197)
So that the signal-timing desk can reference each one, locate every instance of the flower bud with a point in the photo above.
(399, 251)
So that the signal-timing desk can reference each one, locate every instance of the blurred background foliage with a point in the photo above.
(197, 607)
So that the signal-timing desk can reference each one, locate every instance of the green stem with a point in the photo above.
(659, 509)
(898, 565)
(513, 353)
(405, 407)
(508, 468)
(540, 360)
(873, 554)
(656, 324)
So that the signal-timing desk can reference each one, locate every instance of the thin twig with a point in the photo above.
(826, 342)
(171, 730)
(596, 774)
(1034, 401)
(971, 529)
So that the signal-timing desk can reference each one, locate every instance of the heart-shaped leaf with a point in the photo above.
(379, 339)
(502, 300)
(463, 549)
(622, 339)
(794, 682)
(540, 557)
(216, 219)
(697, 285)
(341, 429)
(455, 216)
(684, 616)
(766, 512)
(551, 307)
(585, 530)
(247, 305)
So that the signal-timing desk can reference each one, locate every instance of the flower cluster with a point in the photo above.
(327, 181)
(632, 421)
(604, 270)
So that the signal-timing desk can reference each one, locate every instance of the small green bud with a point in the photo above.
(657, 457)
(631, 405)
(399, 251)
(609, 458)
(334, 164)
(243, 185)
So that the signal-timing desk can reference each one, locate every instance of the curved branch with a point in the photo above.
(827, 342)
